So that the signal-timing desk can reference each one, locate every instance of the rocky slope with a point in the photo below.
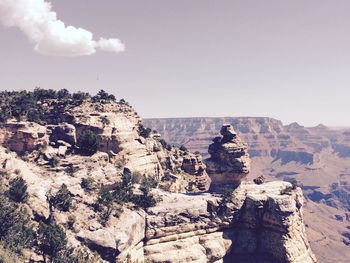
(174, 222)
(119, 139)
(318, 158)
(263, 222)
(257, 223)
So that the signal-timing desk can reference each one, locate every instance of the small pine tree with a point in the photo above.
(52, 241)
(105, 121)
(104, 204)
(88, 143)
(16, 232)
(147, 199)
(144, 132)
(62, 200)
(105, 198)
(88, 184)
(18, 190)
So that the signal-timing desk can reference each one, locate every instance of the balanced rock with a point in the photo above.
(229, 160)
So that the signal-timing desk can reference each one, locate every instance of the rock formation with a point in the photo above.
(229, 160)
(262, 222)
(316, 157)
(117, 125)
(257, 223)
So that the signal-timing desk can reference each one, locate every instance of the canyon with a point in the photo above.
(316, 158)
(124, 194)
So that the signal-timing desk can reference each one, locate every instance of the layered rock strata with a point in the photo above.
(229, 160)
(117, 126)
(258, 223)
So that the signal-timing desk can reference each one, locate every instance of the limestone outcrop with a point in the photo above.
(22, 137)
(118, 128)
(264, 222)
(120, 219)
(229, 160)
(257, 223)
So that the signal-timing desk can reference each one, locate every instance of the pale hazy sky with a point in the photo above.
(284, 59)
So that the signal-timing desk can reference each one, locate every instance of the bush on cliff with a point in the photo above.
(18, 190)
(103, 96)
(144, 132)
(16, 232)
(62, 200)
(112, 200)
(88, 184)
(32, 105)
(52, 242)
(88, 142)
(104, 204)
(146, 199)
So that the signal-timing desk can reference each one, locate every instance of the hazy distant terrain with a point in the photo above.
(317, 157)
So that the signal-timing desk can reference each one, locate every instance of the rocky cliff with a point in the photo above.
(118, 128)
(138, 199)
(317, 158)
(256, 223)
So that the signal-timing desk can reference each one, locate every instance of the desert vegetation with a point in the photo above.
(88, 142)
(62, 200)
(111, 199)
(31, 105)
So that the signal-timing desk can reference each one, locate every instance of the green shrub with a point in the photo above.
(105, 198)
(83, 255)
(18, 190)
(122, 101)
(88, 184)
(63, 94)
(144, 132)
(30, 105)
(165, 144)
(88, 142)
(54, 161)
(105, 121)
(52, 242)
(104, 204)
(62, 200)
(71, 221)
(16, 231)
(147, 199)
(102, 96)
(123, 191)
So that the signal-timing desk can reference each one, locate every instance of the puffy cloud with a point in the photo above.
(50, 35)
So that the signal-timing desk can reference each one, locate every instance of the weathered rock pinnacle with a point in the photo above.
(229, 160)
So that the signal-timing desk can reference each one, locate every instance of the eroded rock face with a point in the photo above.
(23, 137)
(229, 160)
(259, 223)
(117, 125)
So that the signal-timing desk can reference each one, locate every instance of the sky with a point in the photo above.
(288, 60)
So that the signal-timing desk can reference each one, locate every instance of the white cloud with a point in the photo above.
(51, 36)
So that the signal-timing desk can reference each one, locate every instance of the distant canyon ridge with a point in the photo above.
(317, 158)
